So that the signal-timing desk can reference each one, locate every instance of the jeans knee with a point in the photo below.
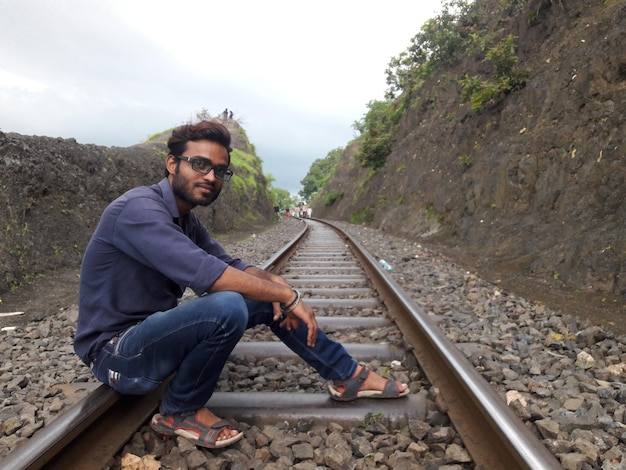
(233, 311)
(238, 314)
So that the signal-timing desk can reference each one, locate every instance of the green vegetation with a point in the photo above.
(465, 161)
(278, 197)
(319, 173)
(373, 418)
(332, 198)
(506, 78)
(381, 202)
(362, 217)
(247, 182)
(377, 128)
(158, 134)
(463, 29)
(241, 160)
(442, 41)
(246, 170)
(362, 189)
(17, 249)
(431, 214)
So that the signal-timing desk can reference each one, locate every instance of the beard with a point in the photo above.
(184, 189)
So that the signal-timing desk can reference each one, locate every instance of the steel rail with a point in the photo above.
(494, 436)
(502, 441)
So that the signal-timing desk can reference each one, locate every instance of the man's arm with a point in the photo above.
(254, 283)
(266, 275)
(274, 278)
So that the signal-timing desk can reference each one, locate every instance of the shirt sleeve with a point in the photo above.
(145, 231)
(200, 235)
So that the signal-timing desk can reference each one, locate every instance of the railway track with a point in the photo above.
(339, 279)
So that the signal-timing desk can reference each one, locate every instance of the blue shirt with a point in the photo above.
(140, 259)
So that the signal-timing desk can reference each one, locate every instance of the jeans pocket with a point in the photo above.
(131, 385)
(121, 373)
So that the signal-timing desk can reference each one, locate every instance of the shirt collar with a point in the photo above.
(168, 197)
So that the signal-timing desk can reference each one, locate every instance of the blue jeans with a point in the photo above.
(194, 340)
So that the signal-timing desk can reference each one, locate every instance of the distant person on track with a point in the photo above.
(146, 250)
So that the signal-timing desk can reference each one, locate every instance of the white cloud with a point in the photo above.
(10, 80)
(115, 71)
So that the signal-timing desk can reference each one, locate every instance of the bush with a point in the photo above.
(378, 126)
(332, 198)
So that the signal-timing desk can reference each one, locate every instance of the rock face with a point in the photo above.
(53, 191)
(535, 184)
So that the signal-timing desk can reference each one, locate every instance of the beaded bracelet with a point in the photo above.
(293, 304)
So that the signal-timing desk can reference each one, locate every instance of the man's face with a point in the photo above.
(190, 187)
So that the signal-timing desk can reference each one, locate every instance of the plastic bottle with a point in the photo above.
(386, 266)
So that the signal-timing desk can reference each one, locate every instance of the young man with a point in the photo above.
(147, 249)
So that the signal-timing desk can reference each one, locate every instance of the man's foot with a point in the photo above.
(365, 383)
(202, 428)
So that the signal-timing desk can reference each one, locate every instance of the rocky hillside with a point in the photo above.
(530, 187)
(54, 190)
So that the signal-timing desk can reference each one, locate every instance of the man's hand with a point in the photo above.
(307, 315)
(291, 320)
(255, 283)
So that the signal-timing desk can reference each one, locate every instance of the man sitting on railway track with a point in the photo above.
(147, 249)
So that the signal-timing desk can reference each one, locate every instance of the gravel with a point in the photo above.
(564, 377)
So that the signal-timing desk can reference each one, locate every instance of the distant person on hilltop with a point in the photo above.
(147, 249)
(225, 115)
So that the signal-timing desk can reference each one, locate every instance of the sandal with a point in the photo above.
(352, 388)
(187, 426)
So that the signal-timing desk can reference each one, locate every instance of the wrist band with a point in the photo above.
(293, 304)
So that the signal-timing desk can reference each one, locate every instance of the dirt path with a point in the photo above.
(49, 295)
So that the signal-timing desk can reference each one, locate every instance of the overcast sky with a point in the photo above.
(113, 72)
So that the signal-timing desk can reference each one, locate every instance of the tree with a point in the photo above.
(203, 115)
(278, 197)
(377, 127)
(319, 172)
(283, 198)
